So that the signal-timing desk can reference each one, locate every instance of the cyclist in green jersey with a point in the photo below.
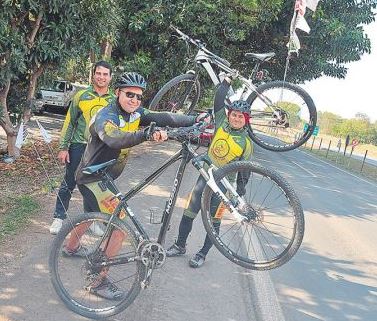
(231, 142)
(74, 134)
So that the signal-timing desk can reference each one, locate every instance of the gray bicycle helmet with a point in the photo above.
(240, 105)
(131, 79)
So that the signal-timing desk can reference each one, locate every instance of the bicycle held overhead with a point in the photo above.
(261, 230)
(283, 114)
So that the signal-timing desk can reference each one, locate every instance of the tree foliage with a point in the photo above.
(60, 38)
(232, 28)
(359, 127)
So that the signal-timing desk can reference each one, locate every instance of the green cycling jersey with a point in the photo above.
(85, 105)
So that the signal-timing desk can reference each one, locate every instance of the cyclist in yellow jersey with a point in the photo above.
(74, 135)
(231, 142)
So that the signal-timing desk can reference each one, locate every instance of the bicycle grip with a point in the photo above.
(150, 130)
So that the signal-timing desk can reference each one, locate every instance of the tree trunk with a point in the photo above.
(106, 49)
(92, 58)
(36, 73)
(5, 122)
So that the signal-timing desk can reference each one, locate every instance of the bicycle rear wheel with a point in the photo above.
(181, 94)
(75, 277)
(274, 228)
(283, 116)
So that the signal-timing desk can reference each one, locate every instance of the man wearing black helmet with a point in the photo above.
(231, 142)
(113, 131)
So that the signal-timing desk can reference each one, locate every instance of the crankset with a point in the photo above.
(153, 256)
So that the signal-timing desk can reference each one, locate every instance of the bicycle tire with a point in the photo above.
(179, 89)
(297, 108)
(270, 238)
(67, 281)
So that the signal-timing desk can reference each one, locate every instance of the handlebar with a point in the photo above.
(200, 45)
(181, 134)
(186, 134)
(185, 37)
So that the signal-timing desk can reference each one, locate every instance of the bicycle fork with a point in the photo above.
(234, 204)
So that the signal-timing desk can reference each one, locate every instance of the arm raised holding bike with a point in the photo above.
(231, 143)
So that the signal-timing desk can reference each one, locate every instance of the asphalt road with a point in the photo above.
(332, 277)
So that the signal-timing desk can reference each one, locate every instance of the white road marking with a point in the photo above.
(265, 298)
(303, 168)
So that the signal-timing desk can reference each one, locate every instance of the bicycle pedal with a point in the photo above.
(155, 217)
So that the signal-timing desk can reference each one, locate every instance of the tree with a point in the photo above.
(328, 122)
(38, 35)
(362, 116)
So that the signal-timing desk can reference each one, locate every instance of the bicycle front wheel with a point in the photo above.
(273, 225)
(283, 116)
(81, 281)
(181, 94)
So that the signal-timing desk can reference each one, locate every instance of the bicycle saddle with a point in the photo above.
(96, 168)
(261, 56)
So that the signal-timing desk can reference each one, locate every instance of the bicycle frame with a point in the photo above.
(185, 154)
(206, 58)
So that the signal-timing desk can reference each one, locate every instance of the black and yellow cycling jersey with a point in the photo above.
(113, 131)
(85, 105)
(228, 144)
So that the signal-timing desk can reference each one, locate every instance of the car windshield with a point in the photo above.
(58, 86)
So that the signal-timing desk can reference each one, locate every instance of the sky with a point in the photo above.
(357, 92)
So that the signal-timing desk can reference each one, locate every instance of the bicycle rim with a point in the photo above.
(74, 278)
(283, 116)
(275, 226)
(180, 95)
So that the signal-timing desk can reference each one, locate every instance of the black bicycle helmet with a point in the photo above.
(131, 79)
(240, 105)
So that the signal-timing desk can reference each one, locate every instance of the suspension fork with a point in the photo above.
(233, 205)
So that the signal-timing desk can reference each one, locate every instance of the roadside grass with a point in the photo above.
(346, 162)
(22, 184)
(16, 213)
(359, 149)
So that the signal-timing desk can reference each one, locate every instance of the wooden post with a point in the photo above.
(320, 144)
(362, 165)
(328, 148)
(311, 148)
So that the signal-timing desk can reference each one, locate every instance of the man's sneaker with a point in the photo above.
(175, 250)
(97, 228)
(56, 225)
(107, 290)
(81, 251)
(197, 260)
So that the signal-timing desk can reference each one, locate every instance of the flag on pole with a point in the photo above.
(22, 135)
(312, 4)
(46, 136)
(299, 22)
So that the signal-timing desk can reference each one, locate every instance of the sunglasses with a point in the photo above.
(130, 94)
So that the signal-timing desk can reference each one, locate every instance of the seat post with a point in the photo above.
(107, 182)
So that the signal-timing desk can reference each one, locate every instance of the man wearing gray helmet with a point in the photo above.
(113, 131)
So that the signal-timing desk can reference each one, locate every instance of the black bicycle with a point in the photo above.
(260, 230)
(283, 115)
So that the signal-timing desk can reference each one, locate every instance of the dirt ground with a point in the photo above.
(27, 176)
